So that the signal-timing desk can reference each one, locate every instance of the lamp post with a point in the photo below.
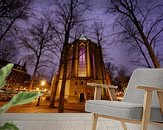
(42, 83)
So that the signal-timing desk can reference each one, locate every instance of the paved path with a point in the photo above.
(62, 121)
(43, 118)
(30, 117)
(57, 121)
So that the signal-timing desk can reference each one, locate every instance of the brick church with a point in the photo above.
(85, 64)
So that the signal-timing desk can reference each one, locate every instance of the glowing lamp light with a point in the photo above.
(37, 89)
(45, 90)
(43, 82)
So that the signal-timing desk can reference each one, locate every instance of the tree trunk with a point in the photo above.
(8, 28)
(150, 51)
(102, 71)
(34, 74)
(102, 64)
(146, 43)
(62, 91)
(65, 59)
(153, 57)
(54, 87)
(141, 50)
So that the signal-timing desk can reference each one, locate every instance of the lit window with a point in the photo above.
(82, 61)
(69, 68)
(93, 61)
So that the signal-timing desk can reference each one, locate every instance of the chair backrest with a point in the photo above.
(143, 77)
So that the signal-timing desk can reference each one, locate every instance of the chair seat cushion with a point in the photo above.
(125, 110)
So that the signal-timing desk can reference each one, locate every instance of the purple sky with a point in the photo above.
(118, 53)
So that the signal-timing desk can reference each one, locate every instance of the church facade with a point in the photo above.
(85, 64)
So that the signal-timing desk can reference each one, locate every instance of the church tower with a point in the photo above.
(85, 64)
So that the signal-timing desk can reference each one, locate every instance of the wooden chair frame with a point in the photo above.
(97, 93)
(146, 107)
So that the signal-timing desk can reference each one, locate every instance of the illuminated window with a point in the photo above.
(69, 68)
(93, 61)
(82, 61)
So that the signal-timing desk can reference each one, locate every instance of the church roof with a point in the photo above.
(82, 37)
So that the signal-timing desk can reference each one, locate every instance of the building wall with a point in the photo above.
(80, 70)
(17, 77)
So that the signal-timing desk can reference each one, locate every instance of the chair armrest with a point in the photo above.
(102, 85)
(97, 93)
(147, 88)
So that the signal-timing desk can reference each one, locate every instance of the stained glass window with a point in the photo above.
(82, 62)
(93, 62)
(69, 68)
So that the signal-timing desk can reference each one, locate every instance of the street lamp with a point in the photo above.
(42, 83)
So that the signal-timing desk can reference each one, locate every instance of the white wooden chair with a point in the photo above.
(138, 106)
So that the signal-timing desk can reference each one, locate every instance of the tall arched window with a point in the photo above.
(82, 61)
(70, 58)
(93, 62)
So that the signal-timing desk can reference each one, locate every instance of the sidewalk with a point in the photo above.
(44, 108)
(31, 117)
(58, 121)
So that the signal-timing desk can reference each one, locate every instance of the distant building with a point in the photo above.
(85, 64)
(18, 76)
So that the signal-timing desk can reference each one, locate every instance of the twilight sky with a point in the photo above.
(118, 54)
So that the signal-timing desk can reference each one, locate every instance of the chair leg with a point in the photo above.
(124, 125)
(160, 98)
(94, 121)
(146, 110)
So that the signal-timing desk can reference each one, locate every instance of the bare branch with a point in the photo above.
(134, 17)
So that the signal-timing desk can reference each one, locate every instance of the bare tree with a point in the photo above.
(39, 42)
(119, 75)
(68, 15)
(8, 51)
(122, 78)
(10, 12)
(111, 68)
(141, 24)
(98, 34)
